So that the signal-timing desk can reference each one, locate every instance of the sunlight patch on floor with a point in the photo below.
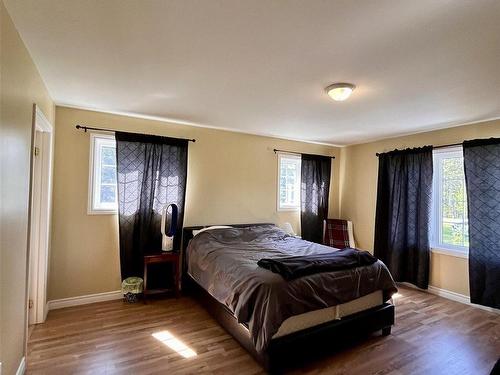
(174, 343)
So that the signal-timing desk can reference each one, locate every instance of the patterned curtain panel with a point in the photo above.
(402, 220)
(482, 179)
(315, 180)
(151, 174)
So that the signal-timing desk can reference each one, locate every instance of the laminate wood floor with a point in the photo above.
(432, 335)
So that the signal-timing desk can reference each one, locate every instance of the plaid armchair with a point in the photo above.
(338, 233)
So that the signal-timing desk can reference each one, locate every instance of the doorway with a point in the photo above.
(39, 236)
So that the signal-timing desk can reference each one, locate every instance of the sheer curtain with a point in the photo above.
(402, 220)
(482, 180)
(151, 172)
(315, 188)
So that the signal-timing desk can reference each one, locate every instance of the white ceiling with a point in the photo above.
(260, 66)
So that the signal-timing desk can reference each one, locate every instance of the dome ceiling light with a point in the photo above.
(340, 91)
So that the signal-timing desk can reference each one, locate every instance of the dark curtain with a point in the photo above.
(315, 187)
(402, 222)
(482, 180)
(151, 172)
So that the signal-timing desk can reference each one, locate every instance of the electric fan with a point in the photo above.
(168, 226)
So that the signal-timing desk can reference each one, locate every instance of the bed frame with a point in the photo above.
(286, 351)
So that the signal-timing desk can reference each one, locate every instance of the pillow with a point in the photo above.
(198, 231)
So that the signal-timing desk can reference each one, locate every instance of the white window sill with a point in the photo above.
(453, 253)
(288, 209)
(102, 212)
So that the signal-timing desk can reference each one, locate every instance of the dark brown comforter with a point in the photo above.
(224, 262)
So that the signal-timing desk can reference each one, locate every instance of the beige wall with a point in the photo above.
(358, 188)
(231, 179)
(21, 86)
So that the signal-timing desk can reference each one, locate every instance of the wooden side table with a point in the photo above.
(164, 257)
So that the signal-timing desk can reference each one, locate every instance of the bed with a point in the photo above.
(274, 319)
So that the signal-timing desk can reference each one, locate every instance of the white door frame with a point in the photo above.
(41, 203)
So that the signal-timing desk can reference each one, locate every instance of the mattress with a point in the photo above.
(316, 317)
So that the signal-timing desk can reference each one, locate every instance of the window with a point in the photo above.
(288, 182)
(102, 186)
(450, 227)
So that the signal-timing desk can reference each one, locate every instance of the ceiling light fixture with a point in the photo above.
(340, 91)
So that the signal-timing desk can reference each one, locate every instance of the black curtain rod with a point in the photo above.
(440, 146)
(85, 128)
(299, 153)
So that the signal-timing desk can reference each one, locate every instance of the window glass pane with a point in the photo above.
(453, 233)
(103, 174)
(453, 168)
(454, 204)
(447, 233)
(108, 175)
(450, 207)
(453, 199)
(108, 194)
(108, 155)
(289, 182)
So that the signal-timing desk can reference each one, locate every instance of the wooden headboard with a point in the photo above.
(187, 235)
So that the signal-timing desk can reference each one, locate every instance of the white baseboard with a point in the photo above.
(462, 298)
(84, 300)
(448, 294)
(22, 367)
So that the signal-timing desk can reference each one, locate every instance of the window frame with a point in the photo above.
(298, 160)
(437, 246)
(94, 172)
